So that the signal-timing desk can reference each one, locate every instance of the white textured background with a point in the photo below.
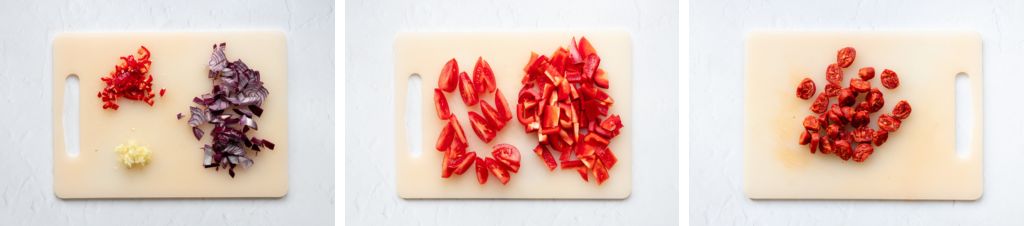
(26, 161)
(716, 154)
(371, 26)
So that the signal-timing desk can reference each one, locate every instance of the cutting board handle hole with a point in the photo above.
(413, 110)
(69, 116)
(964, 115)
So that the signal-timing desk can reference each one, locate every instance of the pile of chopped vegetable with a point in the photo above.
(231, 107)
(130, 79)
(133, 154)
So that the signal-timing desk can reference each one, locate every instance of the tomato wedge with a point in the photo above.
(463, 162)
(481, 127)
(449, 78)
(483, 77)
(446, 162)
(495, 168)
(460, 136)
(444, 141)
(441, 105)
(481, 170)
(508, 156)
(492, 115)
(466, 89)
(501, 105)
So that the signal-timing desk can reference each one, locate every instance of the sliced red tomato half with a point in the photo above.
(449, 78)
(497, 170)
(508, 156)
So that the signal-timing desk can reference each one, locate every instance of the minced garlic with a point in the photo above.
(132, 154)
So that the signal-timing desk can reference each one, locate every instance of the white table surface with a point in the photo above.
(26, 161)
(716, 153)
(370, 193)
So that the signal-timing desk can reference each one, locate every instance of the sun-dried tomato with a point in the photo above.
(815, 139)
(847, 97)
(843, 149)
(834, 74)
(820, 104)
(842, 128)
(825, 146)
(806, 89)
(860, 118)
(862, 152)
(832, 90)
(875, 100)
(901, 111)
(890, 79)
(888, 123)
(835, 115)
(880, 137)
(811, 123)
(863, 134)
(866, 73)
(858, 85)
(833, 131)
(846, 56)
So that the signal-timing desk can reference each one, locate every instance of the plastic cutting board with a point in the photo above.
(179, 65)
(919, 161)
(419, 176)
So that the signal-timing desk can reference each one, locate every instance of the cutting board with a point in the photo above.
(419, 175)
(179, 65)
(919, 161)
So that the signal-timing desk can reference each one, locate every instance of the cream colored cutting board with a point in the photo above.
(919, 161)
(419, 176)
(179, 65)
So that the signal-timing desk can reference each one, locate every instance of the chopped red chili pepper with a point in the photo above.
(130, 79)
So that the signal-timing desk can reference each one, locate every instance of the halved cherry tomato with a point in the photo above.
(508, 156)
(441, 104)
(481, 170)
(449, 78)
(545, 155)
(497, 170)
(467, 90)
(483, 77)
